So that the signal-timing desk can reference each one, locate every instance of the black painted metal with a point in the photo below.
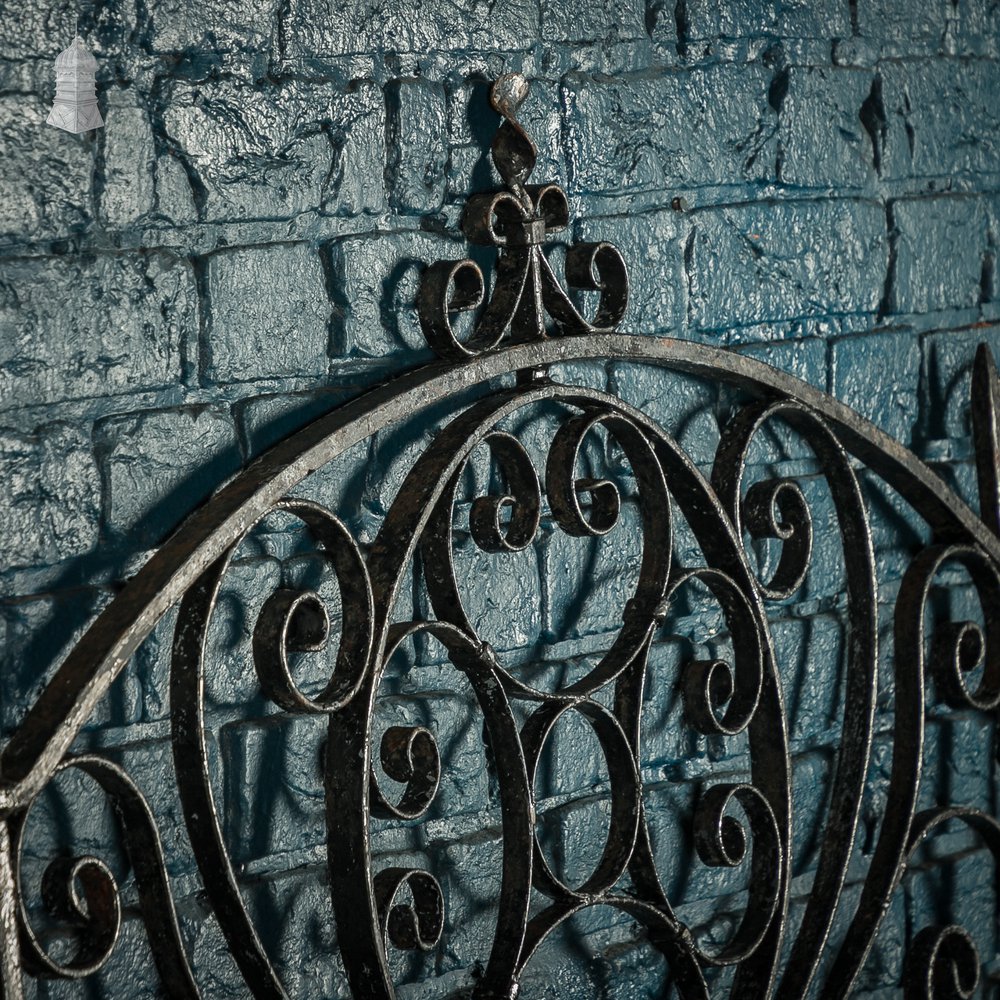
(529, 324)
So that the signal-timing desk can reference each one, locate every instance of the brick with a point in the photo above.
(45, 173)
(975, 29)
(127, 190)
(573, 836)
(216, 26)
(319, 29)
(652, 245)
(588, 580)
(218, 973)
(810, 652)
(946, 380)
(175, 196)
(268, 314)
(40, 33)
(52, 508)
(884, 966)
(418, 156)
(508, 613)
(878, 376)
(814, 18)
(274, 153)
(662, 132)
(159, 465)
(702, 19)
(942, 117)
(37, 32)
(230, 679)
(661, 24)
(131, 962)
(900, 28)
(812, 777)
(566, 21)
(964, 746)
(74, 327)
(37, 633)
(377, 279)
(684, 406)
(304, 932)
(941, 246)
(274, 786)
(804, 357)
(823, 142)
(786, 260)
(666, 737)
(265, 420)
(350, 486)
(573, 760)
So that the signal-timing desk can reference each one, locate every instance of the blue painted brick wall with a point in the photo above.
(239, 250)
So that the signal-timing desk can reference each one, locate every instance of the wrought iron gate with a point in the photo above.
(692, 529)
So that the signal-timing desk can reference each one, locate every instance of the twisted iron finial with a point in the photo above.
(518, 221)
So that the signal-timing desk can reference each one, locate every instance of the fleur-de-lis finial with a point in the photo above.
(517, 222)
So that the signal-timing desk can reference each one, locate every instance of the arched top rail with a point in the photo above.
(98, 657)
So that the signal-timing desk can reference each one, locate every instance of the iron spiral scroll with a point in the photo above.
(489, 381)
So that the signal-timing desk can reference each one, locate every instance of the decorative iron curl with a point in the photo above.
(943, 961)
(721, 842)
(83, 893)
(290, 620)
(518, 222)
(777, 508)
(942, 964)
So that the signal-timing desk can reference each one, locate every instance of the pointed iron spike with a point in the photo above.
(986, 435)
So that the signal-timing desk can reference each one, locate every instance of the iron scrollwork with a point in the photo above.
(526, 324)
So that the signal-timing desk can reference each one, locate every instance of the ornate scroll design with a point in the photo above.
(549, 480)
(518, 221)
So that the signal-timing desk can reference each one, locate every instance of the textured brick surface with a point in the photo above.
(79, 326)
(44, 173)
(128, 191)
(238, 252)
(50, 510)
(822, 138)
(942, 246)
(565, 21)
(271, 154)
(942, 117)
(159, 465)
(319, 28)
(879, 376)
(663, 131)
(781, 261)
(947, 378)
(377, 280)
(902, 28)
(268, 314)
(419, 155)
(225, 26)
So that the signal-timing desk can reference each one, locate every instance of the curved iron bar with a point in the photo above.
(403, 908)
